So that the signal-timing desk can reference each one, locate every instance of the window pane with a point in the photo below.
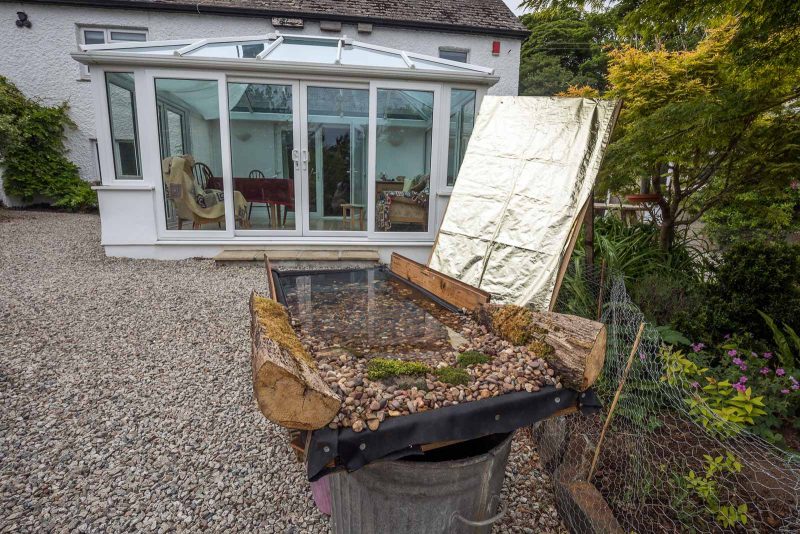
(454, 55)
(403, 160)
(128, 36)
(337, 158)
(229, 50)
(122, 116)
(91, 37)
(462, 121)
(261, 152)
(189, 136)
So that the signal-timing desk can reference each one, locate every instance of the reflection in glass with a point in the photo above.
(403, 160)
(261, 152)
(191, 159)
(462, 121)
(122, 115)
(337, 158)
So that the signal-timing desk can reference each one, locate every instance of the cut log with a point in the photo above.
(286, 383)
(573, 346)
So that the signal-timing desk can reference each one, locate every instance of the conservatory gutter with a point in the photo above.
(293, 68)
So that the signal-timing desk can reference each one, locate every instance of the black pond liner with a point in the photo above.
(401, 437)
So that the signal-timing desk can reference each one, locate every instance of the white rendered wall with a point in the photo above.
(37, 60)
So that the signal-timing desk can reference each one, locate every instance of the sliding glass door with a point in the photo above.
(334, 158)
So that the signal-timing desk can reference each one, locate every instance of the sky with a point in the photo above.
(513, 5)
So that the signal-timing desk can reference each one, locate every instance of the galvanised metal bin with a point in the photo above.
(455, 489)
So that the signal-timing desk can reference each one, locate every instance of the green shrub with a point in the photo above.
(472, 357)
(33, 153)
(752, 276)
(380, 368)
(453, 376)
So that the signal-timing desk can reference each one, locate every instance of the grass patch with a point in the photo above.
(472, 357)
(453, 376)
(381, 368)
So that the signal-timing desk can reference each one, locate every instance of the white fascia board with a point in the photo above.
(281, 67)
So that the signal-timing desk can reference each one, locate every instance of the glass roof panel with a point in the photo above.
(296, 49)
(248, 49)
(355, 55)
(305, 51)
(432, 65)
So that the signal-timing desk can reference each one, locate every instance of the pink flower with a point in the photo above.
(785, 391)
(727, 336)
(794, 184)
(737, 361)
(793, 379)
(695, 384)
(732, 353)
(743, 367)
(764, 371)
(795, 386)
(741, 388)
(697, 347)
(779, 371)
(742, 379)
(767, 355)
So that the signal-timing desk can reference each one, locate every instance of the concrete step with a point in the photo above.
(240, 255)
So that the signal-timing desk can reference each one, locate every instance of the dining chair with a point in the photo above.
(202, 173)
(255, 173)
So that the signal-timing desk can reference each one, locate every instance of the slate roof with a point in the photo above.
(473, 16)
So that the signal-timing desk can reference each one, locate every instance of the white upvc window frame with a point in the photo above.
(83, 71)
(480, 92)
(151, 166)
(436, 143)
(345, 235)
(465, 51)
(299, 180)
(105, 140)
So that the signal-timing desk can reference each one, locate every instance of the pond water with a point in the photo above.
(368, 311)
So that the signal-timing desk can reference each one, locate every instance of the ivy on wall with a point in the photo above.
(32, 152)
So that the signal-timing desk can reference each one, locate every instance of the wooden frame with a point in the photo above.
(450, 290)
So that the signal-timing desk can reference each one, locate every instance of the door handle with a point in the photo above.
(305, 159)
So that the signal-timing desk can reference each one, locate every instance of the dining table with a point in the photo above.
(273, 192)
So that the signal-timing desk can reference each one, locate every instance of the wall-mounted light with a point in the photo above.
(22, 20)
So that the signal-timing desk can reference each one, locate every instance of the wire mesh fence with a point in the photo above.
(670, 461)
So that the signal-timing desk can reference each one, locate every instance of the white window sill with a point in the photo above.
(125, 187)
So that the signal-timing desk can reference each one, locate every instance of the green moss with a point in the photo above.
(513, 323)
(540, 348)
(453, 376)
(274, 319)
(472, 357)
(380, 368)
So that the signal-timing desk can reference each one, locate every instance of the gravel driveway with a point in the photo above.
(126, 402)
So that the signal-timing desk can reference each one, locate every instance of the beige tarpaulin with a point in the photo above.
(527, 174)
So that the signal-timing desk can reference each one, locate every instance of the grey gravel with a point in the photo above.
(126, 401)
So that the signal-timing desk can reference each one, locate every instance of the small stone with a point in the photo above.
(373, 424)
(358, 425)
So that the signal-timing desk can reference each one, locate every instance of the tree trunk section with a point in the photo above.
(286, 384)
(577, 345)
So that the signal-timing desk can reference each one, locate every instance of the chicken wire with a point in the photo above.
(655, 440)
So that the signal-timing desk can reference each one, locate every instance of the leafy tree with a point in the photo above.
(565, 49)
(711, 108)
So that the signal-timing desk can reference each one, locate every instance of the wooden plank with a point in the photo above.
(573, 238)
(270, 279)
(450, 290)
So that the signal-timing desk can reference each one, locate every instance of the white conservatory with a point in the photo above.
(276, 141)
